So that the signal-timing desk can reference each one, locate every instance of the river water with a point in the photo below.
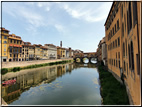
(64, 84)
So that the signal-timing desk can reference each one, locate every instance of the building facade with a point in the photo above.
(25, 51)
(15, 48)
(4, 42)
(60, 52)
(52, 51)
(104, 51)
(122, 32)
(37, 52)
(43, 53)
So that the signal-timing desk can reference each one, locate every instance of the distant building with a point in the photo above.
(37, 51)
(104, 51)
(25, 51)
(15, 48)
(43, 52)
(52, 51)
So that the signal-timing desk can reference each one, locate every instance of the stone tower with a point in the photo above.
(60, 43)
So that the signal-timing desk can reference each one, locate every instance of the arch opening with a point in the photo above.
(85, 60)
(93, 60)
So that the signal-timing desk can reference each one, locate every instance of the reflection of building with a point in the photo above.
(11, 92)
(122, 32)
(52, 51)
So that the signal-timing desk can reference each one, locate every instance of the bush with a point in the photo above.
(16, 69)
(4, 70)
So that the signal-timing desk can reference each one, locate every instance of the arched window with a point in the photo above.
(132, 56)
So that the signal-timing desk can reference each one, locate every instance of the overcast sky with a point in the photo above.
(79, 25)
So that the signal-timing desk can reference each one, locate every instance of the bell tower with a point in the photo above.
(60, 43)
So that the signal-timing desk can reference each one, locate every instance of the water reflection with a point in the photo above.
(63, 84)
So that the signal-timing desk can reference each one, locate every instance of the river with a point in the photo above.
(64, 84)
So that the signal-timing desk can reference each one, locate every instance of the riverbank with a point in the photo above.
(112, 91)
(17, 66)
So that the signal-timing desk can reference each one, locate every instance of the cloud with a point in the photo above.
(88, 12)
(60, 28)
(45, 5)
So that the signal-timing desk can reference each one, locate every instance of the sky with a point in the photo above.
(79, 25)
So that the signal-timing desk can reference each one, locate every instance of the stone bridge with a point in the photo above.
(82, 56)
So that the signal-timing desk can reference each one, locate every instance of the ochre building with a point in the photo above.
(122, 32)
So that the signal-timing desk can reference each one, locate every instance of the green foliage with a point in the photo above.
(4, 70)
(16, 69)
(113, 92)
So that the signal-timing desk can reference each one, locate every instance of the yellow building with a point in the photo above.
(43, 52)
(122, 32)
(60, 52)
(15, 48)
(4, 42)
(37, 51)
(31, 52)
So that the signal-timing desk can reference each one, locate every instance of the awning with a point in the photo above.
(10, 45)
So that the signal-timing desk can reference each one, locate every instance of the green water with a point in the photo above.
(67, 84)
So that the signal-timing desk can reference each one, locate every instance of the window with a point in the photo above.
(124, 67)
(113, 44)
(10, 49)
(129, 56)
(4, 53)
(115, 28)
(122, 29)
(14, 41)
(114, 62)
(5, 37)
(11, 41)
(134, 13)
(4, 50)
(118, 41)
(129, 18)
(126, 47)
(4, 45)
(119, 59)
(17, 41)
(10, 55)
(125, 21)
(113, 31)
(5, 41)
(123, 50)
(132, 56)
(117, 24)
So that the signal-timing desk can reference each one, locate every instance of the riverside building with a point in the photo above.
(122, 32)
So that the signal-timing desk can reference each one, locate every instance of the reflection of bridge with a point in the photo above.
(82, 56)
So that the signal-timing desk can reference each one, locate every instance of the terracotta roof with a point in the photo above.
(2, 28)
(49, 45)
(37, 44)
(43, 47)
